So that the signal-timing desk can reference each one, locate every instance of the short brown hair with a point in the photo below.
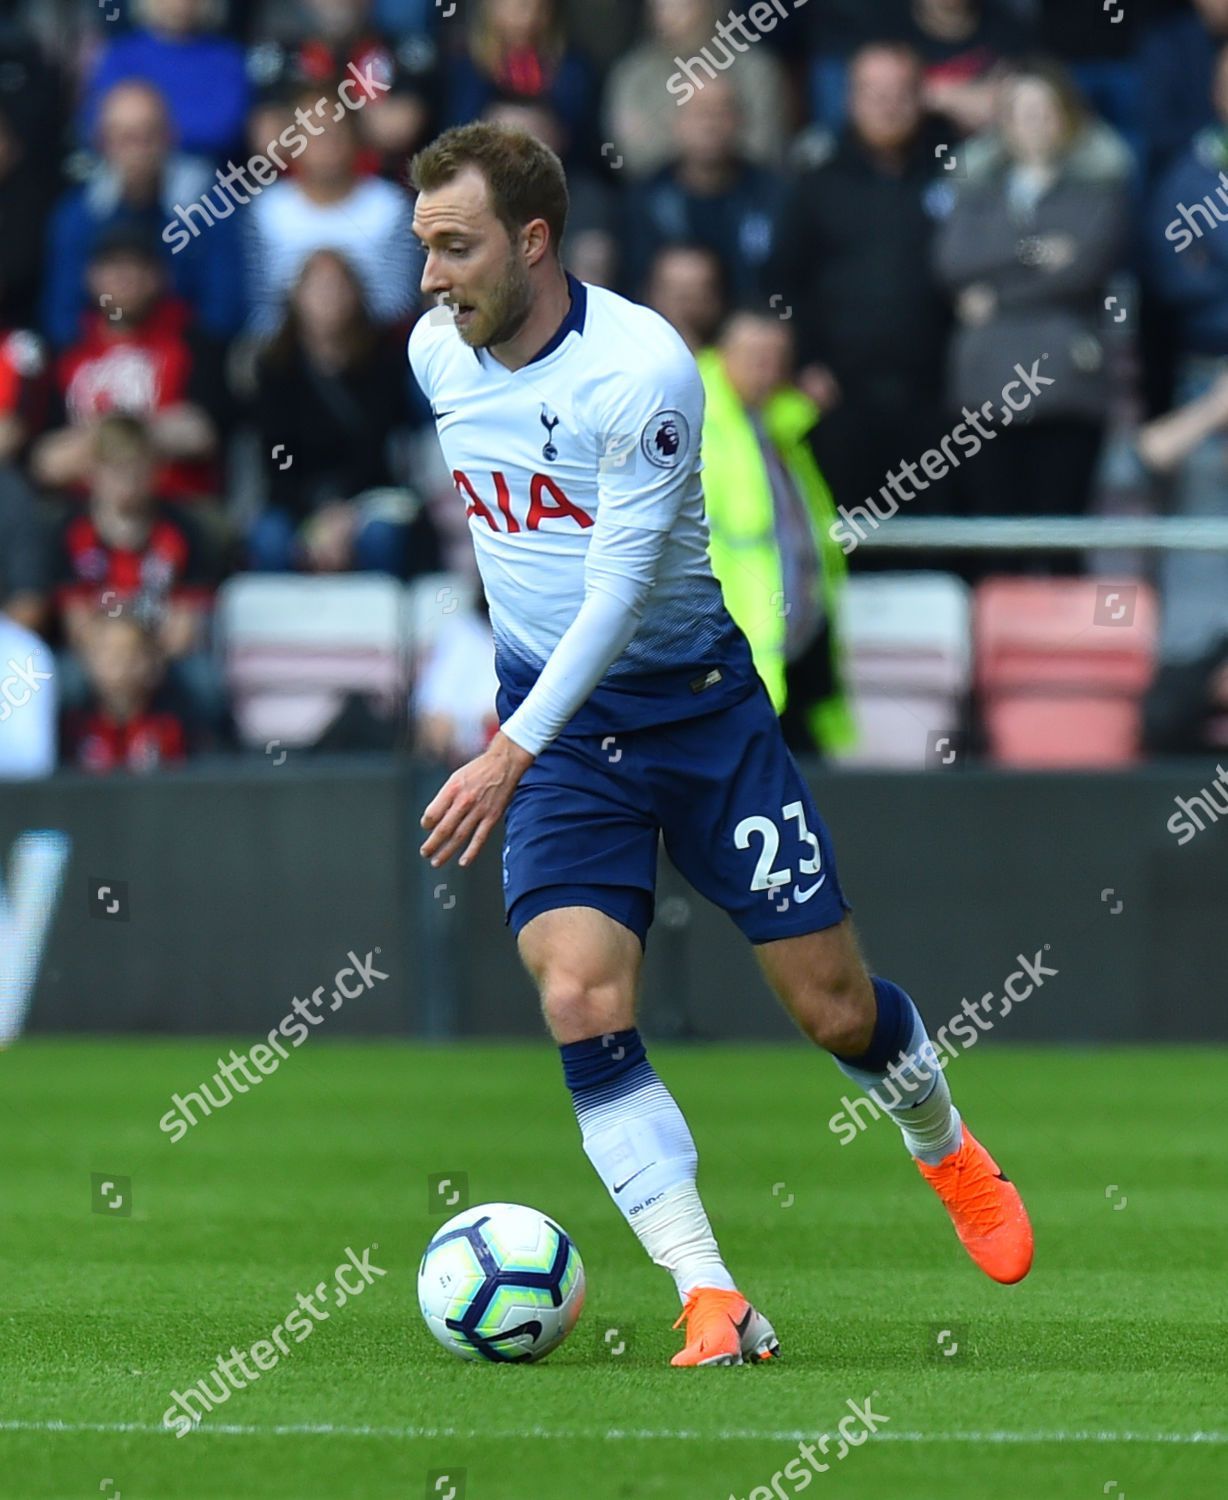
(525, 178)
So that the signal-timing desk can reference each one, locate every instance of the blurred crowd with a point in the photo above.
(870, 219)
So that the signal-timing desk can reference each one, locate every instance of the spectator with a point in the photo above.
(129, 725)
(963, 44)
(640, 101)
(127, 554)
(138, 182)
(23, 553)
(708, 195)
(769, 514)
(1188, 260)
(590, 244)
(517, 49)
(1177, 61)
(687, 287)
(138, 354)
(332, 396)
(1026, 254)
(326, 205)
(28, 701)
(836, 31)
(202, 75)
(854, 267)
(454, 700)
(335, 38)
(1188, 257)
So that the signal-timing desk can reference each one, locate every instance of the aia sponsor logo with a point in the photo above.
(546, 502)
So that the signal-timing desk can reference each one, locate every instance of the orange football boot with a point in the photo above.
(722, 1328)
(985, 1208)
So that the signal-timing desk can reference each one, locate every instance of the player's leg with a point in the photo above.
(871, 1028)
(586, 965)
(878, 1039)
(741, 824)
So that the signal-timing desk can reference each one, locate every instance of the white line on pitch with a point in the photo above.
(617, 1434)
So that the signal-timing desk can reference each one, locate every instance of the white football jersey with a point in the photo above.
(605, 421)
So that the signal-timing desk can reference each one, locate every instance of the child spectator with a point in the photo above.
(128, 726)
(129, 555)
(138, 354)
(331, 399)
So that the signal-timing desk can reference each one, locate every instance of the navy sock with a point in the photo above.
(894, 1021)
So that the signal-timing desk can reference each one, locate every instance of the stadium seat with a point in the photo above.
(1061, 668)
(909, 665)
(294, 646)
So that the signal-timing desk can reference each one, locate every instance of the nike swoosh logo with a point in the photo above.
(800, 896)
(440, 415)
(618, 1186)
(745, 1323)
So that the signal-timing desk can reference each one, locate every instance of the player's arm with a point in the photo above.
(619, 573)
(642, 482)
(620, 570)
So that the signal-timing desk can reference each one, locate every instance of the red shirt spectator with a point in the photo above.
(141, 578)
(96, 742)
(126, 728)
(138, 354)
(128, 555)
(143, 370)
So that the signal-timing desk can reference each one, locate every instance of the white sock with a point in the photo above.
(676, 1233)
(638, 1140)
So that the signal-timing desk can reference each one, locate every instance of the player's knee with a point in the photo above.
(840, 1014)
(578, 1006)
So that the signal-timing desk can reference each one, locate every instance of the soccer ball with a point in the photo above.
(501, 1282)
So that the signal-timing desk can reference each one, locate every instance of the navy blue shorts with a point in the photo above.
(722, 790)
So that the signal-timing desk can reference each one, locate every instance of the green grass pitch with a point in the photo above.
(1103, 1374)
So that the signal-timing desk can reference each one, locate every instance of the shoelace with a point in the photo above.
(691, 1303)
(969, 1182)
(688, 1307)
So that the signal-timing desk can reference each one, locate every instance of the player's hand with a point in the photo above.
(472, 801)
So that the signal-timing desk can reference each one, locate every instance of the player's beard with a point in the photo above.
(507, 307)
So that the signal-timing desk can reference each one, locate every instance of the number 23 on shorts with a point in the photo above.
(765, 878)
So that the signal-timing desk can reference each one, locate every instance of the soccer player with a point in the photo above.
(630, 708)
